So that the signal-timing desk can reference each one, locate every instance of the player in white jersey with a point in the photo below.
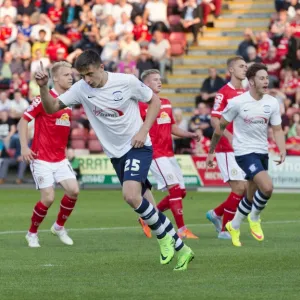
(110, 101)
(251, 114)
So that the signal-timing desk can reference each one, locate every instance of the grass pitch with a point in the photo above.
(111, 258)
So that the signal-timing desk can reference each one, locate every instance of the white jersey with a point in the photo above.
(112, 110)
(250, 122)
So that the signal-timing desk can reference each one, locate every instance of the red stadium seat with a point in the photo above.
(174, 20)
(94, 146)
(79, 134)
(78, 144)
(177, 49)
(178, 37)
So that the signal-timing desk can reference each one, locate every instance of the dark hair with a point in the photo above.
(232, 60)
(253, 69)
(87, 58)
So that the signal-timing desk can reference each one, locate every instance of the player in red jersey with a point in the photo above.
(47, 157)
(164, 167)
(229, 168)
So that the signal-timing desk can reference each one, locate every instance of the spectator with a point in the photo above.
(191, 18)
(8, 32)
(201, 147)
(128, 63)
(293, 143)
(74, 33)
(201, 120)
(264, 44)
(155, 14)
(278, 27)
(252, 56)
(26, 27)
(145, 62)
(140, 31)
(209, 6)
(249, 40)
(110, 52)
(26, 7)
(55, 12)
(119, 8)
(124, 26)
(294, 123)
(20, 48)
(295, 24)
(272, 146)
(5, 103)
(57, 43)
(210, 87)
(6, 70)
(18, 83)
(283, 46)
(179, 120)
(45, 24)
(71, 13)
(160, 50)
(18, 106)
(7, 128)
(101, 10)
(129, 45)
(272, 61)
(289, 84)
(40, 44)
(7, 9)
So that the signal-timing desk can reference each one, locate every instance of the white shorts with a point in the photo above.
(228, 166)
(45, 174)
(166, 171)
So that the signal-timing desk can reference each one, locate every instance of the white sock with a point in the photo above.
(254, 215)
(57, 227)
(237, 220)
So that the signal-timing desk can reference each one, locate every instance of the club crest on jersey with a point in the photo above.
(267, 109)
(164, 118)
(64, 120)
(107, 112)
(118, 96)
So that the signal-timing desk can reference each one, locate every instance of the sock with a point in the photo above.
(219, 211)
(242, 212)
(176, 205)
(170, 229)
(164, 204)
(230, 207)
(148, 213)
(259, 203)
(67, 205)
(39, 213)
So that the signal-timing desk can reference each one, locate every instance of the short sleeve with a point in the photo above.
(275, 118)
(139, 91)
(143, 110)
(219, 105)
(72, 95)
(231, 111)
(34, 109)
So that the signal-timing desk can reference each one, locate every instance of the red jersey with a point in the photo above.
(51, 132)
(55, 14)
(263, 49)
(161, 130)
(74, 35)
(138, 30)
(52, 50)
(5, 33)
(296, 26)
(283, 47)
(290, 86)
(270, 61)
(294, 140)
(226, 93)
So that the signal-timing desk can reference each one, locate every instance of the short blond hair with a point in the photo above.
(146, 73)
(60, 64)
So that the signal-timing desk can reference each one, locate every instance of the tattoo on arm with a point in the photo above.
(61, 105)
(216, 137)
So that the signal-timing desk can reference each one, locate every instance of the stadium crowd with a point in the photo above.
(132, 36)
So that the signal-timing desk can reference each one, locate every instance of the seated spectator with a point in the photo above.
(209, 6)
(160, 50)
(74, 33)
(6, 70)
(129, 45)
(295, 24)
(25, 28)
(291, 6)
(122, 6)
(124, 26)
(57, 42)
(293, 143)
(272, 61)
(283, 46)
(18, 106)
(107, 27)
(278, 27)
(25, 7)
(252, 56)
(156, 16)
(179, 120)
(201, 147)
(110, 52)
(128, 63)
(18, 83)
(264, 44)
(7, 128)
(5, 103)
(45, 24)
(8, 31)
(249, 40)
(7, 9)
(191, 18)
(210, 87)
(40, 44)
(20, 48)
(38, 58)
(140, 31)
(55, 12)
(101, 10)
(289, 84)
(294, 123)
(201, 120)
(145, 62)
(272, 146)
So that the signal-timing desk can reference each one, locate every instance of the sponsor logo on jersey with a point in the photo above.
(256, 120)
(164, 118)
(64, 120)
(118, 96)
(107, 112)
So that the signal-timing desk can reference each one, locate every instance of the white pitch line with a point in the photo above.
(136, 227)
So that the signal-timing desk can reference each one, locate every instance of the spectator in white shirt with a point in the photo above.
(119, 8)
(5, 103)
(7, 10)
(129, 45)
(110, 52)
(101, 10)
(45, 24)
(123, 27)
(38, 58)
(18, 105)
(160, 50)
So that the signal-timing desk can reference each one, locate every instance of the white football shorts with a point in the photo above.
(166, 171)
(228, 166)
(45, 174)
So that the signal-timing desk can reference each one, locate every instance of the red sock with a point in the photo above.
(39, 213)
(164, 204)
(67, 205)
(176, 205)
(219, 211)
(230, 207)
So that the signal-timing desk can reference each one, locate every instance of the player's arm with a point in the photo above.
(280, 142)
(26, 153)
(215, 122)
(183, 133)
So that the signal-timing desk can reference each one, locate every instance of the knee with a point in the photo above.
(47, 198)
(267, 190)
(183, 193)
(239, 188)
(73, 193)
(131, 198)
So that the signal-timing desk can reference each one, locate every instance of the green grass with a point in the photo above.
(120, 263)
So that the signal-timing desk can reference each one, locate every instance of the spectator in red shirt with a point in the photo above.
(17, 83)
(293, 143)
(140, 31)
(272, 61)
(55, 12)
(289, 84)
(295, 23)
(57, 42)
(263, 44)
(202, 146)
(283, 46)
(74, 33)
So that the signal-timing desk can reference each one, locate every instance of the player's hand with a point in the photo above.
(281, 159)
(138, 140)
(210, 161)
(41, 76)
(195, 136)
(27, 154)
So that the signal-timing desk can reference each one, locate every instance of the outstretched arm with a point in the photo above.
(280, 142)
(183, 133)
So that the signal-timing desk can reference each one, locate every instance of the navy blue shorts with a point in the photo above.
(253, 163)
(134, 165)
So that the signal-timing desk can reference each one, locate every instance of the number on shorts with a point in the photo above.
(133, 166)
